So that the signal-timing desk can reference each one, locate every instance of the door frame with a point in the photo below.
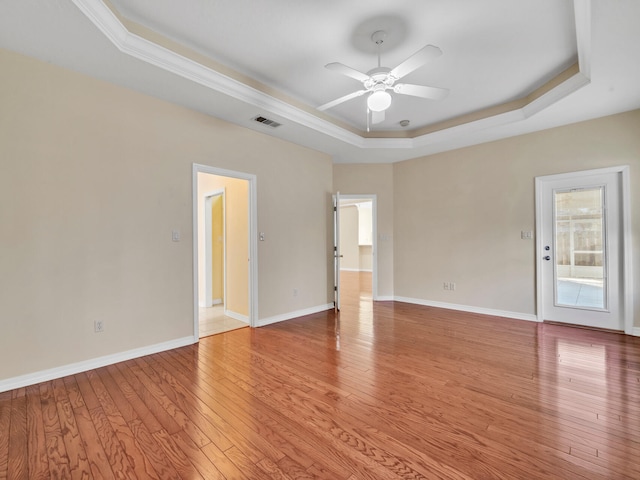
(208, 240)
(626, 263)
(374, 235)
(253, 240)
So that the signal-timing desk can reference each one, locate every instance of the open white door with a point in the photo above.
(336, 250)
(581, 249)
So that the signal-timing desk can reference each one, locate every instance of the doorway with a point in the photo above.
(225, 274)
(356, 274)
(583, 247)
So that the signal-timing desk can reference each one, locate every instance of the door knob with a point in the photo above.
(547, 257)
(547, 247)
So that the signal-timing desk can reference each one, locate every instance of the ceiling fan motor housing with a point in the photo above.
(379, 76)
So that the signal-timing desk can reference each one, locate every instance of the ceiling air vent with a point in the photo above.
(266, 121)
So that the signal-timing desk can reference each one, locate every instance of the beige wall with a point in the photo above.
(458, 215)
(352, 179)
(349, 248)
(237, 236)
(93, 180)
(217, 249)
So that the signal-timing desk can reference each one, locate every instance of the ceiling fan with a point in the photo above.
(377, 81)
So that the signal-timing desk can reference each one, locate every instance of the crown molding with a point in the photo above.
(142, 49)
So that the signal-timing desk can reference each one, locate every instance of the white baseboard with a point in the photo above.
(288, 316)
(635, 332)
(216, 301)
(384, 298)
(237, 316)
(73, 368)
(471, 309)
(356, 270)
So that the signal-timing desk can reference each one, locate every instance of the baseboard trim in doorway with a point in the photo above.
(384, 298)
(236, 316)
(298, 313)
(73, 368)
(635, 332)
(470, 309)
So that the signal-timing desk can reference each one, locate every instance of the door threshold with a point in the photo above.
(583, 327)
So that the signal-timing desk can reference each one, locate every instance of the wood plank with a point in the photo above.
(197, 457)
(177, 456)
(78, 463)
(108, 442)
(56, 450)
(98, 461)
(150, 401)
(171, 409)
(5, 425)
(38, 462)
(135, 456)
(17, 456)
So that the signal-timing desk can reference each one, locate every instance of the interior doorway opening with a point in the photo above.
(224, 274)
(357, 249)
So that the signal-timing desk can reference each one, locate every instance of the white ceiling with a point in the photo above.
(237, 59)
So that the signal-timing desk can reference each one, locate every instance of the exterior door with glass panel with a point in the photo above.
(580, 249)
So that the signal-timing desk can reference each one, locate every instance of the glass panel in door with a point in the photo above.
(580, 248)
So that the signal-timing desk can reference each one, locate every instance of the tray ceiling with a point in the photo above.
(511, 67)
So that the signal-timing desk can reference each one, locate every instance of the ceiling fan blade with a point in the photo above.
(423, 91)
(348, 71)
(416, 60)
(338, 101)
(377, 117)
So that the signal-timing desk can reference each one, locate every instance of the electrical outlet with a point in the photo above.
(452, 285)
(98, 326)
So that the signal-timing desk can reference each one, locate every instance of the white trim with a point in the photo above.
(138, 47)
(582, 16)
(298, 313)
(468, 308)
(566, 88)
(236, 316)
(356, 269)
(635, 332)
(627, 251)
(386, 298)
(253, 239)
(73, 368)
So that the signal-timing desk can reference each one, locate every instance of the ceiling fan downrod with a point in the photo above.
(378, 37)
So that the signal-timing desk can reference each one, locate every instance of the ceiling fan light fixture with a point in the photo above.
(379, 101)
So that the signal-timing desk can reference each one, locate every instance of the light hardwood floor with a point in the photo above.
(380, 391)
(212, 321)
